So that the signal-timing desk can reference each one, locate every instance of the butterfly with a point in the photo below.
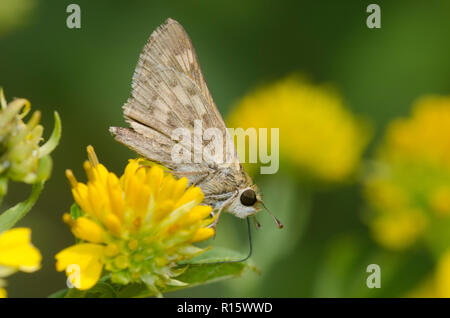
(169, 91)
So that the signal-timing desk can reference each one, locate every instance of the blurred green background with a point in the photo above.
(85, 74)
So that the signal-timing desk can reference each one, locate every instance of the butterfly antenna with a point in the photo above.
(280, 225)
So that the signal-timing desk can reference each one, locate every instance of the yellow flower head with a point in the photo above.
(318, 135)
(17, 254)
(137, 227)
(410, 186)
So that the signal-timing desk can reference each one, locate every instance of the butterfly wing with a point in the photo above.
(170, 46)
(169, 91)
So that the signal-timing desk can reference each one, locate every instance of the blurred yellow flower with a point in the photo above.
(399, 228)
(137, 227)
(438, 285)
(425, 136)
(409, 187)
(17, 254)
(442, 278)
(318, 134)
(14, 13)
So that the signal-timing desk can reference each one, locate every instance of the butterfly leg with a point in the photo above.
(257, 225)
(222, 208)
(213, 212)
(216, 215)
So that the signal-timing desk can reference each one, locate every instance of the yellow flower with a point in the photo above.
(318, 135)
(442, 278)
(399, 228)
(424, 136)
(438, 284)
(17, 254)
(426, 289)
(409, 187)
(137, 227)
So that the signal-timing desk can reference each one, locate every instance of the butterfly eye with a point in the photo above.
(248, 197)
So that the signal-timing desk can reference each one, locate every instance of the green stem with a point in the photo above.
(14, 214)
(3, 188)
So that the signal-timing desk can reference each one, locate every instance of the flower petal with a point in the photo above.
(17, 251)
(202, 234)
(88, 230)
(83, 264)
(193, 194)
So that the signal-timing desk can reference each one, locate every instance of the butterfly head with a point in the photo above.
(248, 202)
(245, 202)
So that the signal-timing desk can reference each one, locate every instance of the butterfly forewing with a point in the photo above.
(170, 46)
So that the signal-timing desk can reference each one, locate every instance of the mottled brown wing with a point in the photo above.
(169, 92)
(166, 100)
(170, 46)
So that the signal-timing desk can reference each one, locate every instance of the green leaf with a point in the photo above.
(101, 290)
(3, 188)
(75, 211)
(14, 214)
(203, 269)
(72, 293)
(59, 294)
(44, 169)
(53, 141)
